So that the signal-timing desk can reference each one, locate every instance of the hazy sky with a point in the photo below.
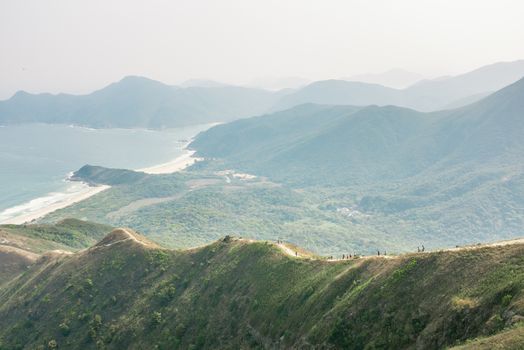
(77, 46)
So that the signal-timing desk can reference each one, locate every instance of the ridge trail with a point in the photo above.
(298, 254)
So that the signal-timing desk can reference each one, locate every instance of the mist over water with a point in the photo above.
(37, 158)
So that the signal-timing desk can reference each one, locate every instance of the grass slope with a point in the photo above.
(127, 293)
(512, 339)
(67, 234)
(13, 261)
(22, 245)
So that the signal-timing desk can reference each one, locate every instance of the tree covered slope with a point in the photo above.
(125, 292)
(373, 142)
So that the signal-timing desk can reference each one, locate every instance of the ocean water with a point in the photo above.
(35, 159)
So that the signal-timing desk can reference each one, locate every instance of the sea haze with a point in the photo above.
(36, 158)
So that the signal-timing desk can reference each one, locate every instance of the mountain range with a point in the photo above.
(138, 102)
(426, 95)
(144, 103)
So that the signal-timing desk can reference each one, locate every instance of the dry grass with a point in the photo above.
(459, 303)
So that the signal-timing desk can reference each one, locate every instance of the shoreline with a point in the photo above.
(181, 162)
(41, 206)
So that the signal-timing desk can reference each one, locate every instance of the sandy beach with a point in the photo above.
(42, 206)
(78, 191)
(177, 164)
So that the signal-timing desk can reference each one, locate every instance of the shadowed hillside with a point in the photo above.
(125, 292)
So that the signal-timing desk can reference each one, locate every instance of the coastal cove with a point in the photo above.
(35, 182)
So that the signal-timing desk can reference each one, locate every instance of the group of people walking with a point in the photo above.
(354, 255)
(348, 256)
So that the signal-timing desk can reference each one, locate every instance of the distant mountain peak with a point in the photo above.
(137, 79)
(21, 93)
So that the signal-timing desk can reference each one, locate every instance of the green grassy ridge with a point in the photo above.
(22, 244)
(236, 294)
(512, 339)
(69, 234)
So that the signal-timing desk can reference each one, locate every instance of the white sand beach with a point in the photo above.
(177, 164)
(42, 206)
(79, 191)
